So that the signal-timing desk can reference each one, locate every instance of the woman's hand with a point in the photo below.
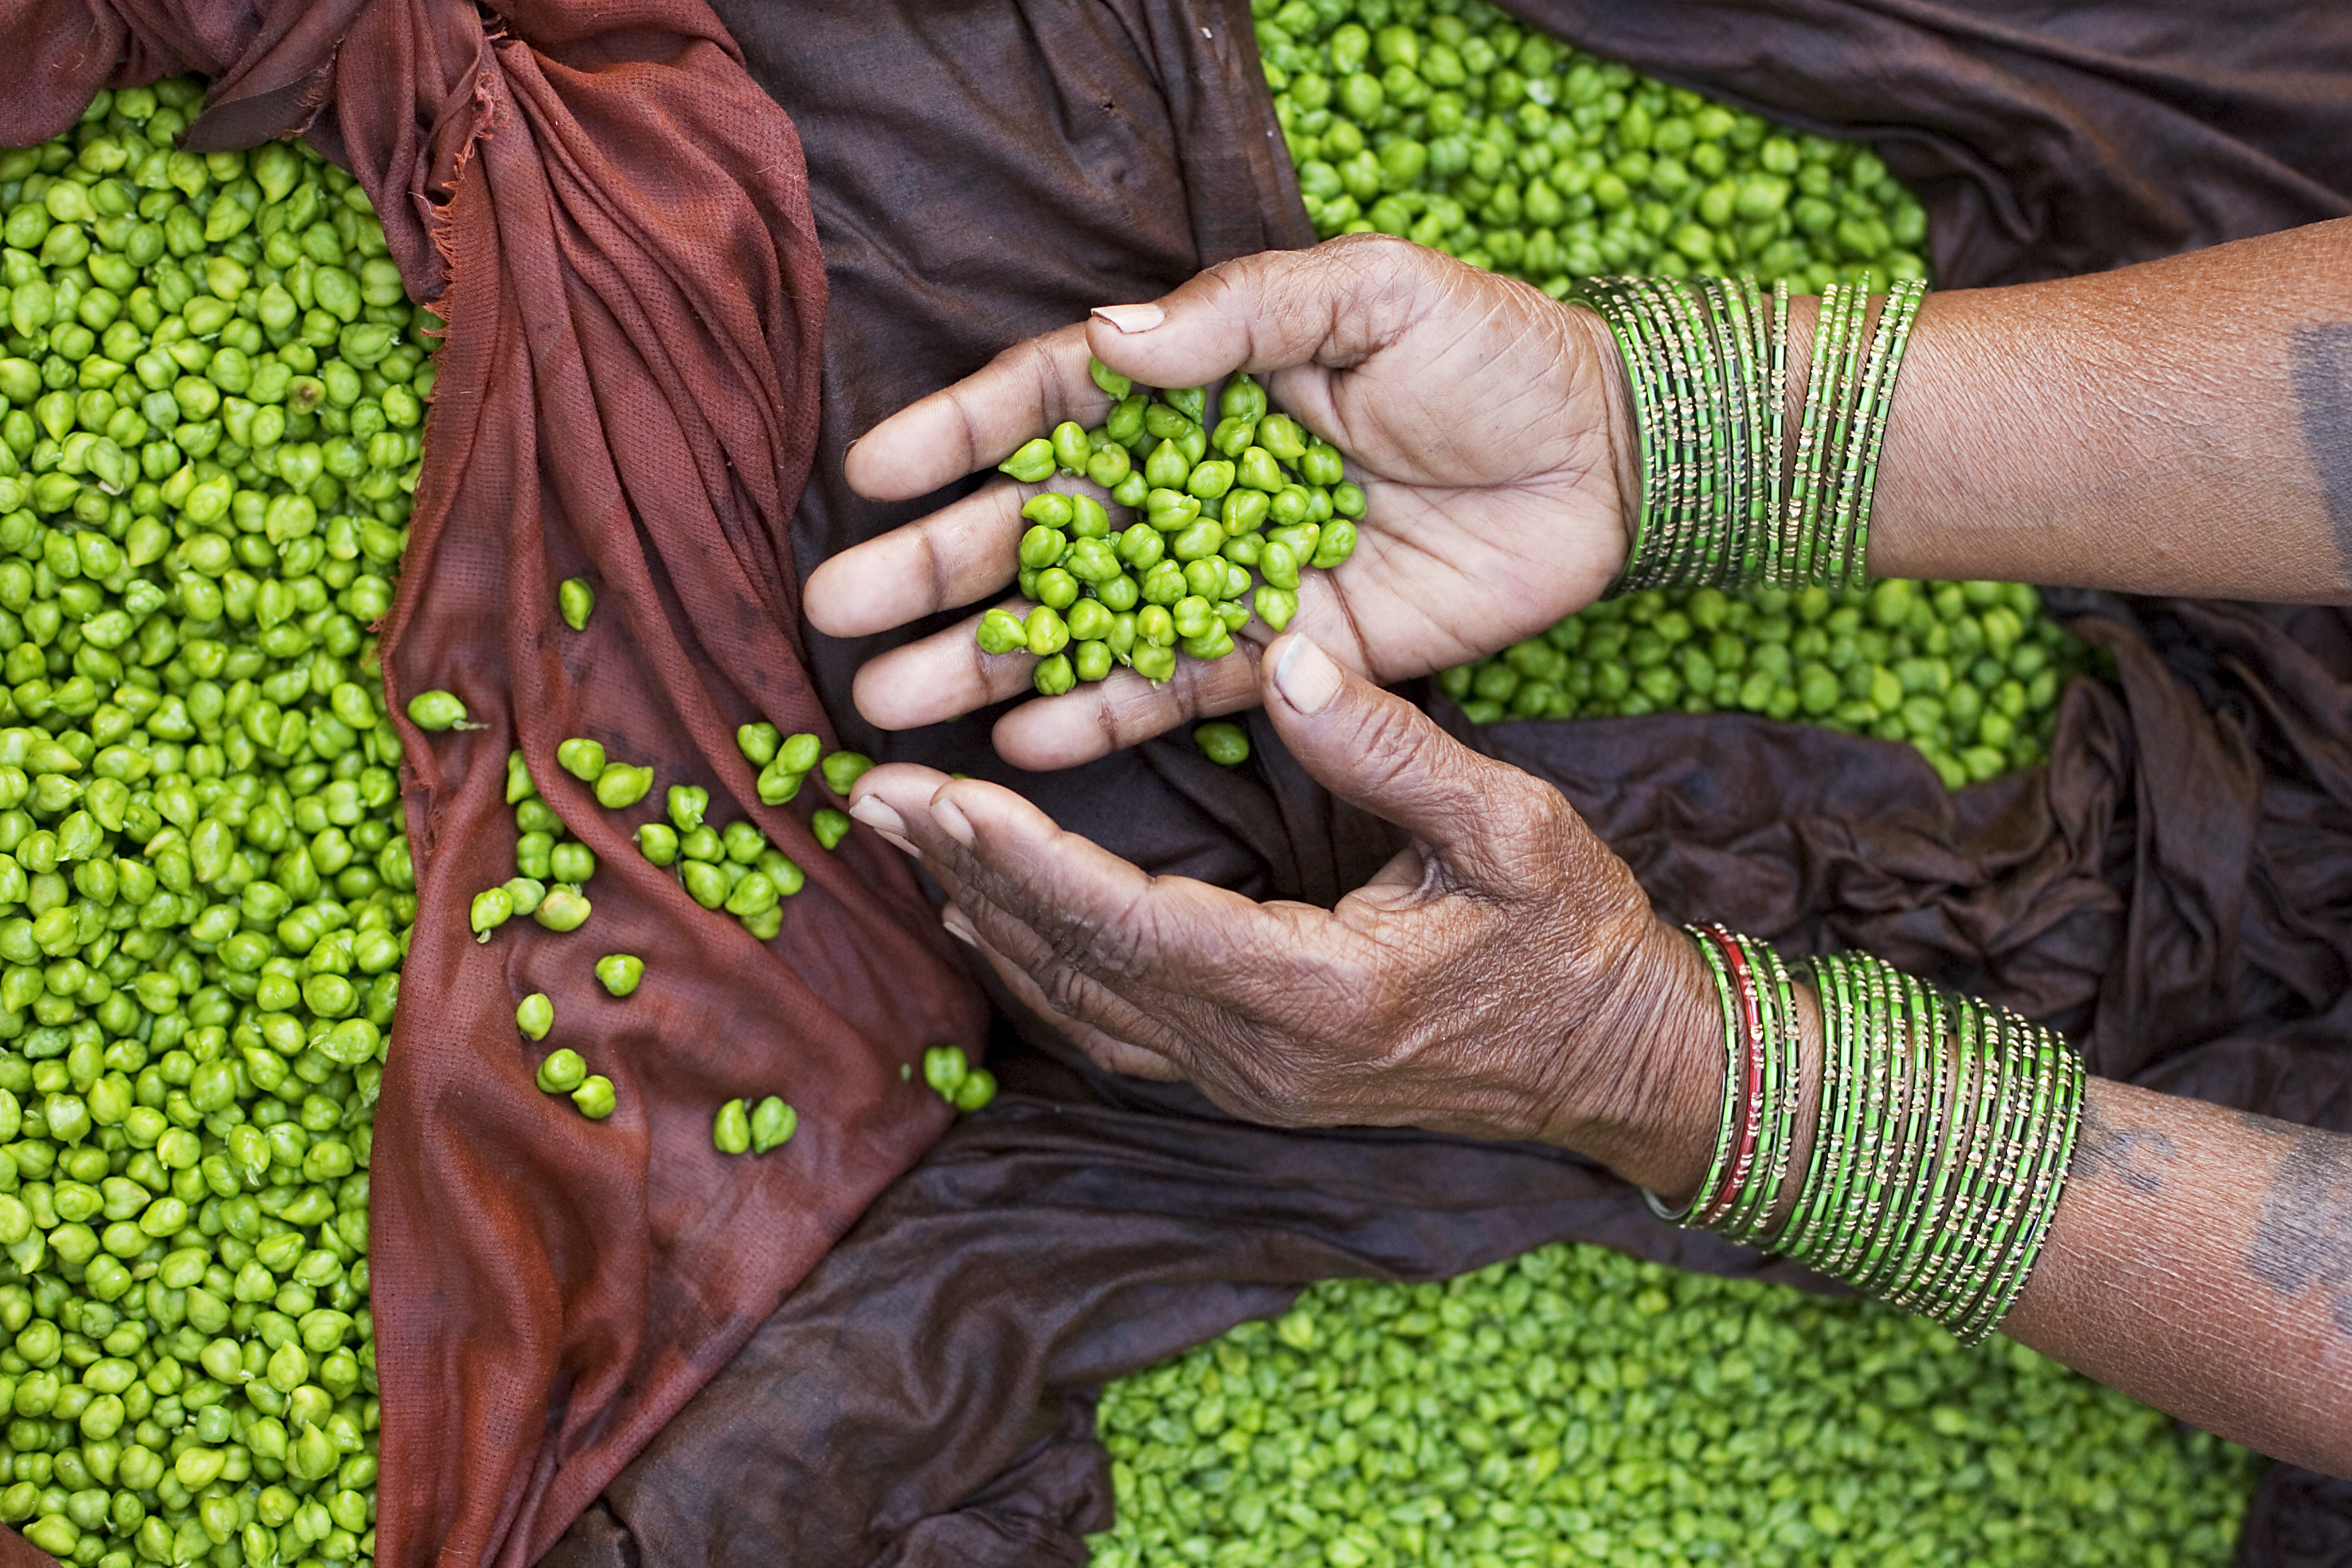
(1502, 977)
(1484, 421)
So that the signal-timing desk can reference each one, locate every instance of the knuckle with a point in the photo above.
(1065, 989)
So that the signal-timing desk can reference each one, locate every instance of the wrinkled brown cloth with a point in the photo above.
(982, 172)
(629, 393)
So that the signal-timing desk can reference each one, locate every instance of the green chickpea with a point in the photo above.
(565, 908)
(434, 711)
(583, 758)
(621, 785)
(731, 1129)
(772, 1123)
(576, 601)
(594, 1098)
(843, 769)
(618, 973)
(493, 907)
(1222, 744)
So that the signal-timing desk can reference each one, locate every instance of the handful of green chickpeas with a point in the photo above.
(1256, 493)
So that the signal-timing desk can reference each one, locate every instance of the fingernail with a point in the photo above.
(1130, 318)
(1305, 676)
(952, 821)
(959, 926)
(878, 815)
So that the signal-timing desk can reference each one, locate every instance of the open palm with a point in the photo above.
(1481, 418)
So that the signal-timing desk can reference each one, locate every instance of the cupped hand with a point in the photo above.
(1484, 420)
(1502, 977)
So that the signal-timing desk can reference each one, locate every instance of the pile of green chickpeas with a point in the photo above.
(1445, 121)
(1575, 1408)
(1454, 126)
(211, 389)
(1969, 673)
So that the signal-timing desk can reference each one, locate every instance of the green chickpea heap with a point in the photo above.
(210, 393)
(1447, 122)
(1968, 672)
(1453, 125)
(1575, 1407)
(1211, 505)
(737, 870)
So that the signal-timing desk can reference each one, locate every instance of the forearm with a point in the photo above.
(2200, 1260)
(2183, 426)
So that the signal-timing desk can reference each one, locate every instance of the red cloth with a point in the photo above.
(615, 222)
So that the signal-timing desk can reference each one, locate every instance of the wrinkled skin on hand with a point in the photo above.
(1502, 977)
(1485, 422)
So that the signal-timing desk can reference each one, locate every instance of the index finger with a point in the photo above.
(1149, 939)
(980, 421)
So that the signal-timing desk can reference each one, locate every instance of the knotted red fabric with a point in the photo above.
(615, 222)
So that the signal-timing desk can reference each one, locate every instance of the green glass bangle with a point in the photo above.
(1796, 1238)
(1733, 1096)
(2050, 1188)
(1930, 1100)
(2014, 1171)
(1907, 311)
(1936, 1215)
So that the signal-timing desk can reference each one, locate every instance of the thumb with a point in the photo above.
(1337, 304)
(1490, 821)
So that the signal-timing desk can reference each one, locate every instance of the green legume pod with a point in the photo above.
(618, 973)
(534, 1015)
(731, 1129)
(525, 893)
(773, 1124)
(595, 1099)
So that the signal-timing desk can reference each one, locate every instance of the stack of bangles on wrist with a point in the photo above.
(1727, 497)
(1941, 1145)
(1946, 1124)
